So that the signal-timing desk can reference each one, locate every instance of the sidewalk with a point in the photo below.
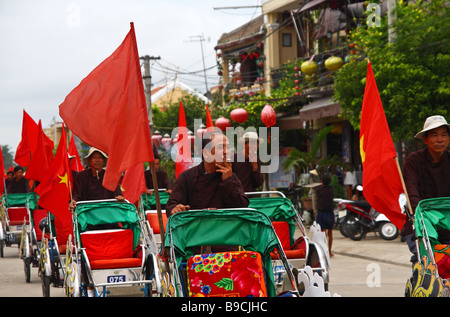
(372, 248)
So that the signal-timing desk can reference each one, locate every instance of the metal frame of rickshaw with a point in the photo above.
(76, 254)
(299, 263)
(179, 288)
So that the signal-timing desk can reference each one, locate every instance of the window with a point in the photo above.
(286, 39)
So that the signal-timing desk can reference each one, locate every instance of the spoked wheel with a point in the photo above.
(46, 280)
(27, 269)
(355, 230)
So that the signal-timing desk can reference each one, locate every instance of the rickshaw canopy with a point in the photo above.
(19, 199)
(149, 201)
(98, 213)
(248, 228)
(435, 213)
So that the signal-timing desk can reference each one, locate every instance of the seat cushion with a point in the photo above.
(152, 218)
(108, 244)
(227, 274)
(16, 216)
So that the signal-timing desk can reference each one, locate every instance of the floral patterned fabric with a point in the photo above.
(227, 274)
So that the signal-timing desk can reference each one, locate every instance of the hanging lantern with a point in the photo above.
(269, 118)
(223, 123)
(156, 138)
(333, 63)
(309, 68)
(166, 142)
(239, 115)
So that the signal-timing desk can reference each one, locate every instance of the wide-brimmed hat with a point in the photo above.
(251, 136)
(91, 151)
(431, 123)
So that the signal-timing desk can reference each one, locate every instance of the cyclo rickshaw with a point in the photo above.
(147, 205)
(19, 222)
(431, 274)
(245, 270)
(52, 253)
(300, 250)
(110, 261)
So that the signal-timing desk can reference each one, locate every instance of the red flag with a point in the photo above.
(183, 161)
(28, 144)
(54, 190)
(381, 179)
(133, 183)
(41, 159)
(107, 110)
(3, 180)
(209, 122)
(75, 164)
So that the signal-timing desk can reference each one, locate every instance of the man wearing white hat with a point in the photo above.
(427, 171)
(88, 184)
(247, 165)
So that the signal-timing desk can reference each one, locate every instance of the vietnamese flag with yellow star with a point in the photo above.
(54, 191)
(382, 184)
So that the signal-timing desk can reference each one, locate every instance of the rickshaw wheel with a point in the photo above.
(26, 267)
(46, 286)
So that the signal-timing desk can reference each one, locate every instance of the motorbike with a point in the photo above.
(357, 218)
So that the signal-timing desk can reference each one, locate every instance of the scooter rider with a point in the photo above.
(427, 172)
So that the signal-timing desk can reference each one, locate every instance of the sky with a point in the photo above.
(48, 46)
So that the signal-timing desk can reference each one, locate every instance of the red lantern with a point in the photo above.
(268, 116)
(239, 115)
(223, 123)
(156, 138)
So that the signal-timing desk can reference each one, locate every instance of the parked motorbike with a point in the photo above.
(356, 218)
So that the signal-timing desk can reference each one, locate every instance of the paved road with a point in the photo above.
(369, 268)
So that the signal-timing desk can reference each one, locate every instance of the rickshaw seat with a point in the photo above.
(296, 251)
(16, 216)
(108, 249)
(152, 218)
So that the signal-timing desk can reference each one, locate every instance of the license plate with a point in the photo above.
(342, 213)
(116, 279)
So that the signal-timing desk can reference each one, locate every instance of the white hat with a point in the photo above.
(92, 150)
(252, 136)
(431, 123)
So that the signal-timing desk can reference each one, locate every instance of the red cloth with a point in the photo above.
(107, 110)
(27, 146)
(183, 160)
(75, 164)
(133, 183)
(209, 122)
(228, 274)
(54, 191)
(42, 157)
(381, 178)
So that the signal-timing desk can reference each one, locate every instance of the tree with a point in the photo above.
(411, 72)
(8, 156)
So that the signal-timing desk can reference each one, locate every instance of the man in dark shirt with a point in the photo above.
(161, 178)
(247, 165)
(211, 184)
(427, 171)
(19, 184)
(88, 184)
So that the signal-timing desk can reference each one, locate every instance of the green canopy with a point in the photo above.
(20, 199)
(98, 213)
(245, 227)
(435, 213)
(149, 202)
(277, 209)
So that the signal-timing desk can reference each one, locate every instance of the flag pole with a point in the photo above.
(158, 210)
(410, 211)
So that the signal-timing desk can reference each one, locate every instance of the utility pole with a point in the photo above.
(148, 87)
(201, 39)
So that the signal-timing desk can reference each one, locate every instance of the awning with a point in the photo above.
(320, 108)
(288, 123)
(311, 5)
